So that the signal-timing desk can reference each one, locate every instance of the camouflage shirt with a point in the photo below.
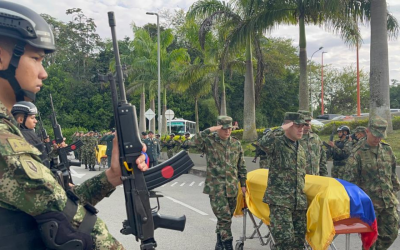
(286, 177)
(373, 169)
(225, 163)
(27, 185)
(340, 152)
(315, 154)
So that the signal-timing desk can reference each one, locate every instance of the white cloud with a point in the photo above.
(128, 11)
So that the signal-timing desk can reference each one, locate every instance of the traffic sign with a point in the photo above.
(169, 114)
(149, 114)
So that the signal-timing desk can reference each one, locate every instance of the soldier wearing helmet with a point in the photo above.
(339, 151)
(186, 143)
(170, 144)
(36, 212)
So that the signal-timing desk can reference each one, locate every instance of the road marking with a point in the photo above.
(186, 205)
(163, 185)
(213, 219)
(201, 183)
(191, 184)
(75, 174)
(174, 184)
(183, 184)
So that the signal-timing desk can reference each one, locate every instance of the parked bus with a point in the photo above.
(179, 126)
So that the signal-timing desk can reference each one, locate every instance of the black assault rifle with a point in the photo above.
(142, 220)
(44, 136)
(65, 163)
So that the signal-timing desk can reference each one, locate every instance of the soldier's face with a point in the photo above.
(30, 72)
(295, 132)
(224, 133)
(30, 122)
(151, 135)
(360, 135)
(372, 140)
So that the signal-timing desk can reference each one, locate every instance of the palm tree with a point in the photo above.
(230, 18)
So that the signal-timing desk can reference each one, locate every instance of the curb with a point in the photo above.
(200, 172)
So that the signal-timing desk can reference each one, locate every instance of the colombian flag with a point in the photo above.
(329, 200)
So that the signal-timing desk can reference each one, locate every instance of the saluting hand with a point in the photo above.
(215, 128)
(286, 126)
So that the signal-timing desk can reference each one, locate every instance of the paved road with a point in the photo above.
(182, 196)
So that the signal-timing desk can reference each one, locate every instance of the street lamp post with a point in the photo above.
(311, 108)
(159, 70)
(322, 84)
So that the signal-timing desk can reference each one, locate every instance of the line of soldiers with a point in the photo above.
(87, 153)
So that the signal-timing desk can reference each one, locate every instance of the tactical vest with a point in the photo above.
(339, 160)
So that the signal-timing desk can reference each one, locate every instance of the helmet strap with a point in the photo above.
(9, 73)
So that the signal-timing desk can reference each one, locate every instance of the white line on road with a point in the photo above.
(191, 184)
(174, 184)
(186, 205)
(183, 184)
(201, 183)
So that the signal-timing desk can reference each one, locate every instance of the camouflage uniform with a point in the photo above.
(265, 161)
(284, 194)
(339, 154)
(185, 145)
(28, 186)
(315, 153)
(373, 169)
(170, 144)
(225, 169)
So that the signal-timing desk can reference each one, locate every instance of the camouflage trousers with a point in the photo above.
(223, 208)
(170, 153)
(388, 226)
(288, 227)
(89, 158)
(264, 162)
(103, 239)
(338, 171)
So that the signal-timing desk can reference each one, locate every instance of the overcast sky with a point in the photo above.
(127, 11)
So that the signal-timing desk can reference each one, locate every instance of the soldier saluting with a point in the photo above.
(224, 173)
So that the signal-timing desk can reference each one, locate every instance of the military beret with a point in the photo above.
(144, 133)
(297, 118)
(377, 125)
(307, 114)
(225, 121)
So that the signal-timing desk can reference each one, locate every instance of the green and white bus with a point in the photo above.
(180, 126)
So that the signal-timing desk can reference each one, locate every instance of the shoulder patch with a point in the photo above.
(31, 167)
(14, 144)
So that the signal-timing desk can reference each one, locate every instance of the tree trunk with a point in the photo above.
(164, 108)
(303, 86)
(142, 118)
(196, 111)
(152, 126)
(223, 97)
(379, 64)
(249, 115)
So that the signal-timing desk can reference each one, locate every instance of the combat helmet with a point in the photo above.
(344, 128)
(25, 108)
(26, 27)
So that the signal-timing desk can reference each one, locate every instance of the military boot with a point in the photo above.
(219, 245)
(228, 245)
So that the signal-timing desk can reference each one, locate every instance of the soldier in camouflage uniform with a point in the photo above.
(286, 179)
(359, 135)
(224, 172)
(372, 167)
(312, 144)
(339, 151)
(84, 149)
(185, 145)
(170, 144)
(30, 196)
(92, 147)
(79, 150)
